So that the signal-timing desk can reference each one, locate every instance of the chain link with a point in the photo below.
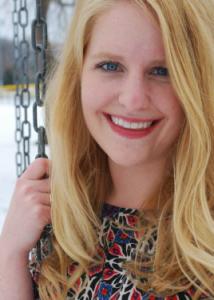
(21, 78)
(39, 44)
(17, 99)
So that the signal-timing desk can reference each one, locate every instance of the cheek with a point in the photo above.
(87, 91)
(169, 104)
(87, 98)
(176, 111)
(95, 95)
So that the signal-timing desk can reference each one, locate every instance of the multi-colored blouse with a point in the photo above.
(110, 280)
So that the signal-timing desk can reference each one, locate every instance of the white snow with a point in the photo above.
(8, 150)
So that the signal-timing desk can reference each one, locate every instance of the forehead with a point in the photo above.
(126, 28)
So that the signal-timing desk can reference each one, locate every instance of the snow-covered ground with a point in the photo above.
(8, 149)
(7, 152)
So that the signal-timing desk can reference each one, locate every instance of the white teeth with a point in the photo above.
(130, 125)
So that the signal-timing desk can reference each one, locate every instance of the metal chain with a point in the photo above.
(17, 99)
(25, 93)
(21, 78)
(39, 44)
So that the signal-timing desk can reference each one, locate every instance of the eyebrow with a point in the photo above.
(103, 55)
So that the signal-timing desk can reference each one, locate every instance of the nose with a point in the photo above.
(134, 94)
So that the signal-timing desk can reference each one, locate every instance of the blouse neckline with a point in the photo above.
(128, 217)
(110, 210)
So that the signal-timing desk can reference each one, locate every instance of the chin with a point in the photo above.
(128, 162)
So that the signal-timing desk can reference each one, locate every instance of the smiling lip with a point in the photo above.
(130, 133)
(131, 119)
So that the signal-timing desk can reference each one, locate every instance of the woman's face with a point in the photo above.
(129, 105)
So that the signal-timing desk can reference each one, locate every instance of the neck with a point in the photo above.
(137, 187)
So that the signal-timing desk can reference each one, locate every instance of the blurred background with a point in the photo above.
(26, 54)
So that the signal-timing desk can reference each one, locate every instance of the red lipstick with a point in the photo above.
(132, 133)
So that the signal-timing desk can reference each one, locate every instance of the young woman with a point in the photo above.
(130, 113)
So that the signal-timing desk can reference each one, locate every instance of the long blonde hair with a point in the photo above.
(80, 178)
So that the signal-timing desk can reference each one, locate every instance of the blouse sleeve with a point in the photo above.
(37, 255)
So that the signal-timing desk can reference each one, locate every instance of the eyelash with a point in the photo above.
(101, 66)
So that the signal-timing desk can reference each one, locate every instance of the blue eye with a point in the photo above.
(161, 71)
(109, 66)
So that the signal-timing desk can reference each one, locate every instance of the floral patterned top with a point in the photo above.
(110, 280)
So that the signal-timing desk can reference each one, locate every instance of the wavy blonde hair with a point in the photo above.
(80, 178)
